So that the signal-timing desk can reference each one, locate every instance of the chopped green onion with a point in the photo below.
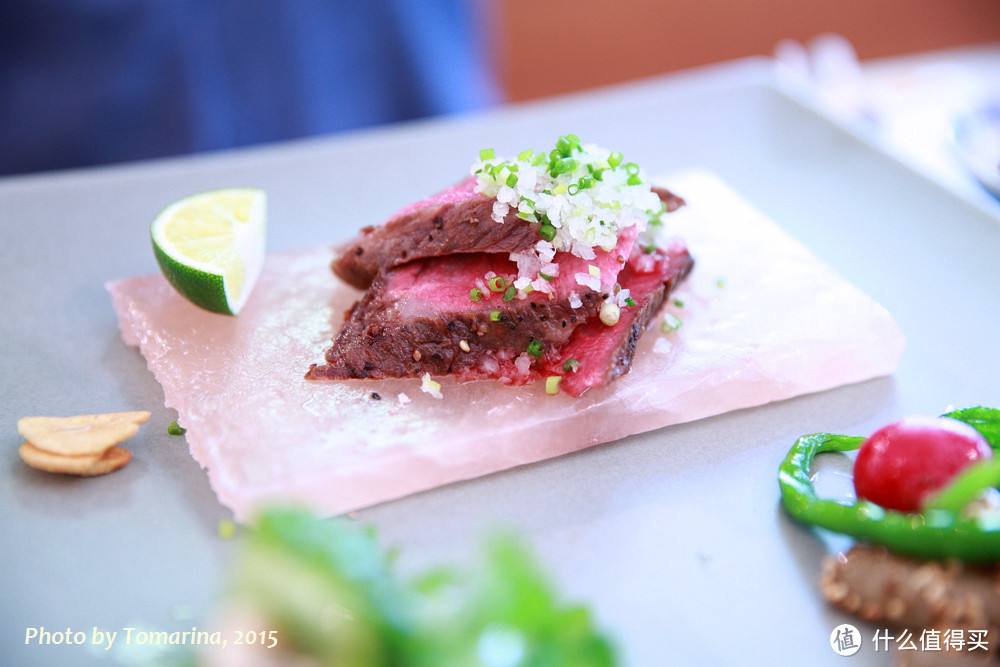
(498, 284)
(570, 365)
(176, 429)
(494, 316)
(476, 294)
(563, 166)
(633, 180)
(526, 215)
(573, 188)
(565, 145)
(226, 529)
(629, 301)
(552, 384)
(615, 159)
(525, 155)
(510, 293)
(670, 323)
(586, 182)
(632, 168)
(535, 348)
(547, 232)
(487, 154)
(678, 303)
(549, 278)
(512, 180)
(429, 386)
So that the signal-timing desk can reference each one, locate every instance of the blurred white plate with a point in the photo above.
(976, 137)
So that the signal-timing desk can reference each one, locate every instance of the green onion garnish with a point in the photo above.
(475, 294)
(632, 168)
(176, 429)
(678, 303)
(226, 529)
(670, 323)
(498, 284)
(629, 301)
(525, 155)
(512, 180)
(494, 316)
(547, 232)
(563, 166)
(534, 348)
(487, 154)
(570, 365)
(565, 145)
(549, 278)
(614, 159)
(510, 293)
(552, 384)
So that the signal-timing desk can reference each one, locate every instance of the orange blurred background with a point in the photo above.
(546, 47)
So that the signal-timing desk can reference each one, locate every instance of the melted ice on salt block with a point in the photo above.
(783, 324)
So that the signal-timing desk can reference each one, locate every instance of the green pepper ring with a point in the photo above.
(932, 534)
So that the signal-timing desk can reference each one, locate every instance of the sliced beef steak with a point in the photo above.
(604, 353)
(456, 221)
(419, 318)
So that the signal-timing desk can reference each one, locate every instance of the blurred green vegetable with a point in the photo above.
(330, 592)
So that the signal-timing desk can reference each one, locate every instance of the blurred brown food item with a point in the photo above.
(559, 46)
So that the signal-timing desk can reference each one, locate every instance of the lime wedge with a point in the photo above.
(210, 246)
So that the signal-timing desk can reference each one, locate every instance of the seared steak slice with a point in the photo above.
(419, 318)
(456, 221)
(605, 353)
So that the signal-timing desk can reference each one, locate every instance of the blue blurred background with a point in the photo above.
(86, 82)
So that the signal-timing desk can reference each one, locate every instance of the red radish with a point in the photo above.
(903, 463)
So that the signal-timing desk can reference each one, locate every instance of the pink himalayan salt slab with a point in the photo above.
(783, 324)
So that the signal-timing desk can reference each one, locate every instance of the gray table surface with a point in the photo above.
(675, 537)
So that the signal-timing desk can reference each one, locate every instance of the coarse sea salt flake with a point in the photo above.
(662, 345)
(588, 280)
